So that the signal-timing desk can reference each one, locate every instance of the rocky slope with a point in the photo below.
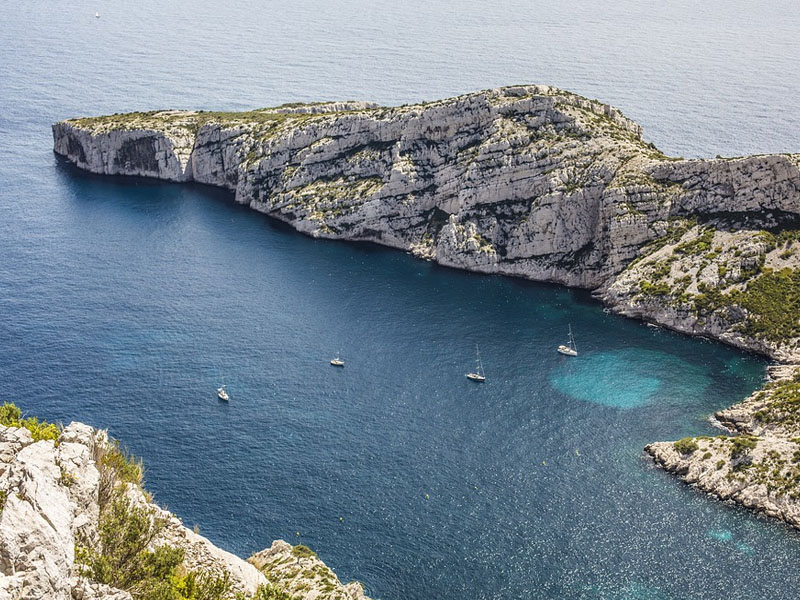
(529, 181)
(56, 496)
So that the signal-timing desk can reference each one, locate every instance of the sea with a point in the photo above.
(125, 303)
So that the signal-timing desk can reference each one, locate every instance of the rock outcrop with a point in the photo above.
(50, 503)
(301, 573)
(528, 181)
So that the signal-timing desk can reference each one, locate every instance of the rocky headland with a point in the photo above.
(528, 181)
(76, 524)
(759, 465)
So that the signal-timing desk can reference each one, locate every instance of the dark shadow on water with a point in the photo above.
(112, 184)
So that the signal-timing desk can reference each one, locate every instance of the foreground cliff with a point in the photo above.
(528, 181)
(75, 523)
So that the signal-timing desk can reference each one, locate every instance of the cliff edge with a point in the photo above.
(75, 524)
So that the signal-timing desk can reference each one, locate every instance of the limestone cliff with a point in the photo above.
(529, 181)
(54, 505)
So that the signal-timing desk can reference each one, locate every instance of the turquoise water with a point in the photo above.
(626, 378)
(124, 303)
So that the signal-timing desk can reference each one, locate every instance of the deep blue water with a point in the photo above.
(124, 303)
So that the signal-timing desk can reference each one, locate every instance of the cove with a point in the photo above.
(397, 470)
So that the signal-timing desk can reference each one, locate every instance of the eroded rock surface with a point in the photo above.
(299, 571)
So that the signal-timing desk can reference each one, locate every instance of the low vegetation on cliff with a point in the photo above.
(736, 283)
(11, 416)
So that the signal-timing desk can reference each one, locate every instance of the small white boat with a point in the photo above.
(336, 361)
(97, 15)
(222, 394)
(569, 349)
(478, 375)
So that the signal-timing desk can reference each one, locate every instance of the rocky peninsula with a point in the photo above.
(76, 524)
(758, 467)
(528, 181)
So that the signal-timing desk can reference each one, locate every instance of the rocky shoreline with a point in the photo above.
(56, 498)
(527, 181)
(759, 465)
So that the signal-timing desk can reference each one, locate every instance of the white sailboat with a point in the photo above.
(336, 361)
(478, 375)
(569, 349)
(222, 393)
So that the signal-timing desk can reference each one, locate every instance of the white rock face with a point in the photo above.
(302, 574)
(50, 500)
(36, 537)
(528, 181)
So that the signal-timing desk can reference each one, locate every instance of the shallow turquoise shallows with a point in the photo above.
(126, 303)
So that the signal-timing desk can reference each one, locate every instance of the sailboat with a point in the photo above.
(336, 361)
(478, 375)
(570, 349)
(222, 394)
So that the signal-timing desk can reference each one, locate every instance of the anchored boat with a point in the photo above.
(478, 375)
(569, 349)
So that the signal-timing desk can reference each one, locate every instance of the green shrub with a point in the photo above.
(660, 288)
(301, 551)
(124, 559)
(126, 467)
(742, 445)
(11, 416)
(699, 245)
(201, 586)
(782, 405)
(117, 466)
(686, 446)
(707, 455)
(270, 592)
(720, 463)
(773, 302)
(41, 430)
(126, 531)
